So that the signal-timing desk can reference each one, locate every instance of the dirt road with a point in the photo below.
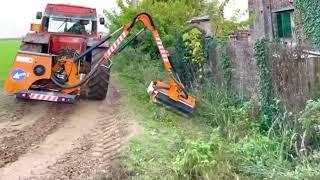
(40, 140)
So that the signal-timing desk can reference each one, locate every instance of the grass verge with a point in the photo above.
(151, 155)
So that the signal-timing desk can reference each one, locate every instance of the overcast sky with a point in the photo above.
(16, 15)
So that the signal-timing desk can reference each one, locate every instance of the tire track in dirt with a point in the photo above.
(98, 151)
(13, 146)
(81, 141)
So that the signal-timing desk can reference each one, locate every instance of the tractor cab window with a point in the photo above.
(69, 25)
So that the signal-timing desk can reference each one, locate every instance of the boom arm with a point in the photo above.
(148, 23)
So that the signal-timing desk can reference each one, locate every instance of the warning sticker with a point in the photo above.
(24, 59)
(18, 75)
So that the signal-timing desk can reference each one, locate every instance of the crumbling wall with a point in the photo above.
(244, 67)
(262, 25)
(295, 75)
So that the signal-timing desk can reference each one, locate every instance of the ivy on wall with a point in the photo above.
(309, 12)
(224, 62)
(268, 107)
(192, 57)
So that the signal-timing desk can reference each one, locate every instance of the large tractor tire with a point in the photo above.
(98, 84)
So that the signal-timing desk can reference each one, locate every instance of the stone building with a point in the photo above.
(273, 19)
(202, 23)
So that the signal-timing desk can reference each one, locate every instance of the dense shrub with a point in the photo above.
(206, 160)
(310, 121)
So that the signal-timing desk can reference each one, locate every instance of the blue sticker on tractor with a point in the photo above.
(18, 75)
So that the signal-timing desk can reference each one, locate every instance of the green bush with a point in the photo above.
(261, 156)
(206, 160)
(310, 121)
(188, 56)
(196, 159)
(169, 16)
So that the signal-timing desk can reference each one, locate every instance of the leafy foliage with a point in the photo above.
(196, 159)
(220, 26)
(170, 17)
(206, 159)
(309, 11)
(192, 40)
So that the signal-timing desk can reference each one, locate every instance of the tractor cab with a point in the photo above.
(68, 19)
(64, 26)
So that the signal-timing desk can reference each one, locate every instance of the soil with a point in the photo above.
(42, 140)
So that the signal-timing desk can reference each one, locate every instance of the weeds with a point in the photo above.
(206, 160)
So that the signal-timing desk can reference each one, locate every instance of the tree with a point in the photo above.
(170, 17)
(220, 26)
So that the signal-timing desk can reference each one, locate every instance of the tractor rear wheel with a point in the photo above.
(98, 84)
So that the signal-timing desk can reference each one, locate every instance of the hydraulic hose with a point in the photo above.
(84, 80)
(186, 96)
(103, 40)
(93, 70)
(129, 41)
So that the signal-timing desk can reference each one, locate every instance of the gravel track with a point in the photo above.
(40, 140)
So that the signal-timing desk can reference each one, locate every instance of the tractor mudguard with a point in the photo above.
(22, 75)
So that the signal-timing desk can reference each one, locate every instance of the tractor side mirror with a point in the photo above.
(35, 27)
(102, 21)
(39, 15)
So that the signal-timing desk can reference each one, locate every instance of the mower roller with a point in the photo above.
(64, 76)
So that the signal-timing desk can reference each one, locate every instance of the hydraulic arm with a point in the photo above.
(172, 93)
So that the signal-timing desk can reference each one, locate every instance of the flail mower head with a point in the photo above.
(171, 96)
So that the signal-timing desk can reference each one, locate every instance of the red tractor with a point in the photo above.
(67, 31)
